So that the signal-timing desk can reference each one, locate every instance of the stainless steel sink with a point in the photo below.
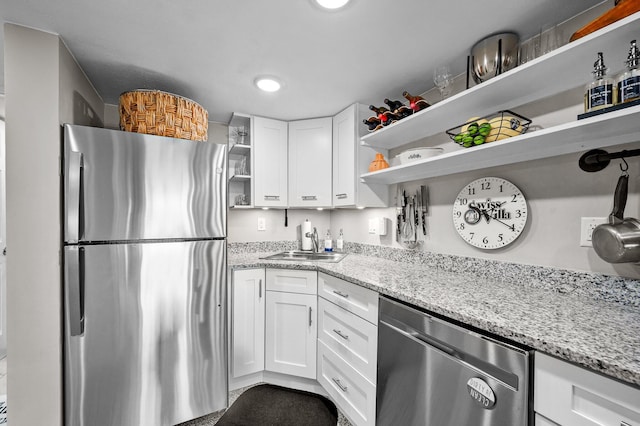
(325, 256)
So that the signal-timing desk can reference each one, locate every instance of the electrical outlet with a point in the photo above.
(262, 224)
(587, 225)
(373, 226)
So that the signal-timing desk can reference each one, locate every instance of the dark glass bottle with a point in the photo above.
(393, 105)
(372, 123)
(416, 103)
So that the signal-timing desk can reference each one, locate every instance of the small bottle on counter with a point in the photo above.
(328, 244)
(340, 242)
(601, 92)
(629, 80)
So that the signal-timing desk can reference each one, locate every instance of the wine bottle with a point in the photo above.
(372, 123)
(390, 118)
(393, 105)
(415, 102)
(381, 111)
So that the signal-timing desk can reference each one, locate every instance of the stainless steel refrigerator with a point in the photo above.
(144, 256)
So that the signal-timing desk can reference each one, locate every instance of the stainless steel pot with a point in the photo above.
(494, 55)
(619, 240)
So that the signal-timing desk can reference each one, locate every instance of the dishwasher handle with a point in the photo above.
(507, 378)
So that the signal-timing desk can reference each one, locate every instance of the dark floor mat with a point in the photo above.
(269, 405)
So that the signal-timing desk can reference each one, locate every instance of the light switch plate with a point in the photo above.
(262, 224)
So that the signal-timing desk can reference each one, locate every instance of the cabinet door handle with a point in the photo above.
(339, 333)
(260, 289)
(309, 316)
(623, 423)
(341, 294)
(341, 196)
(342, 387)
(309, 198)
(272, 197)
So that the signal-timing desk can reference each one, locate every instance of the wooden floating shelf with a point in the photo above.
(614, 128)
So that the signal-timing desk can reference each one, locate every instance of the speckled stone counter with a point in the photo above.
(575, 318)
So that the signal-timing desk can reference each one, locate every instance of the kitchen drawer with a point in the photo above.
(574, 396)
(351, 392)
(292, 281)
(351, 337)
(352, 297)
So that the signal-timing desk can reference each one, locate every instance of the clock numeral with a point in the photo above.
(500, 188)
(485, 240)
(487, 185)
(458, 213)
(472, 191)
(463, 201)
(500, 238)
(514, 198)
(472, 234)
(518, 213)
(462, 226)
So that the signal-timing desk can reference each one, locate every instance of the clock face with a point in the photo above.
(490, 213)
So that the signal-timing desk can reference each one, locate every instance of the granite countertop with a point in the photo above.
(594, 332)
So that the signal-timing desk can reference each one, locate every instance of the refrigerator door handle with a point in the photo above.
(74, 282)
(75, 200)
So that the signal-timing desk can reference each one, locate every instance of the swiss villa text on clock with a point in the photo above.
(490, 213)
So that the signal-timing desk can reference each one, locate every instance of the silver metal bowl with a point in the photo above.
(487, 57)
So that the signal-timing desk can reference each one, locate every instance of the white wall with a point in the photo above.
(243, 224)
(41, 80)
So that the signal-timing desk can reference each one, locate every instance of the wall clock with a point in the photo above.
(490, 213)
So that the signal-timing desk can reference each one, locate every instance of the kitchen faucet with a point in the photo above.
(314, 239)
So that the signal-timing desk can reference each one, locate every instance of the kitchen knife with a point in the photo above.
(416, 218)
(399, 214)
(423, 207)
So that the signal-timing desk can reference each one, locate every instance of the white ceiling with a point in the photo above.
(211, 50)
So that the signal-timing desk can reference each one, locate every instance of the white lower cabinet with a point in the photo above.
(354, 395)
(349, 336)
(291, 329)
(348, 347)
(247, 322)
(543, 421)
(568, 395)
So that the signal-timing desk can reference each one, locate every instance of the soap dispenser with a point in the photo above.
(340, 242)
(629, 80)
(328, 244)
(601, 92)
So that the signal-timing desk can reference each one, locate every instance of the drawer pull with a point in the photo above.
(339, 333)
(260, 289)
(341, 196)
(341, 294)
(272, 197)
(309, 316)
(623, 423)
(342, 387)
(309, 198)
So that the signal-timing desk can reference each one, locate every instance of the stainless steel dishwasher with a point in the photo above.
(434, 373)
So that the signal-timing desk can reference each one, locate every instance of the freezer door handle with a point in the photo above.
(74, 281)
(75, 199)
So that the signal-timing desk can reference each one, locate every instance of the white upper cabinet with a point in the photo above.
(349, 158)
(310, 163)
(270, 162)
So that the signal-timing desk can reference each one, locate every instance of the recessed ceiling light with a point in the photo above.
(268, 84)
(332, 4)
